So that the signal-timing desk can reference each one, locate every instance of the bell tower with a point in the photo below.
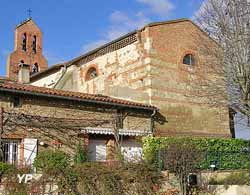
(27, 49)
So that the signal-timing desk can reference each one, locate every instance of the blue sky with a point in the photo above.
(72, 27)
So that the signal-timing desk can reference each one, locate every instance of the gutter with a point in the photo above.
(75, 99)
(152, 121)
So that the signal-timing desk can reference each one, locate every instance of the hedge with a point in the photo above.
(227, 154)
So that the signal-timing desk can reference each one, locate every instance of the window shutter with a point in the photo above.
(131, 150)
(30, 150)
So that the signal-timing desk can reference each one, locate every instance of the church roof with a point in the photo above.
(25, 89)
(24, 22)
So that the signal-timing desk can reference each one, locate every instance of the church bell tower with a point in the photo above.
(27, 50)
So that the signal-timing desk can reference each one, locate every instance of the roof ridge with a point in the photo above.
(24, 22)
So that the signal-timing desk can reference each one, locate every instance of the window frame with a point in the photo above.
(10, 148)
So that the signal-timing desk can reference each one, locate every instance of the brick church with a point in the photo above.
(152, 65)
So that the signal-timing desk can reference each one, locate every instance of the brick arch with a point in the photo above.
(196, 58)
(93, 66)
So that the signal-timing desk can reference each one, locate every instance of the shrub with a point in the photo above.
(50, 161)
(226, 153)
(6, 169)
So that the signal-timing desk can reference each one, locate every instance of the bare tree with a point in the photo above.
(182, 159)
(228, 23)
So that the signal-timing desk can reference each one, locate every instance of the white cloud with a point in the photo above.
(92, 45)
(122, 22)
(162, 8)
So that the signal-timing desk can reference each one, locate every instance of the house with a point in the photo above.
(36, 118)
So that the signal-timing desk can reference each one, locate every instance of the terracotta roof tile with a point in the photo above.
(11, 86)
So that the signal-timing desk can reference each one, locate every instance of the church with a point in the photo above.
(151, 66)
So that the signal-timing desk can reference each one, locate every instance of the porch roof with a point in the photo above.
(109, 131)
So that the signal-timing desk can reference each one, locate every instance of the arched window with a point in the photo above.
(91, 74)
(189, 59)
(24, 42)
(21, 62)
(34, 68)
(34, 44)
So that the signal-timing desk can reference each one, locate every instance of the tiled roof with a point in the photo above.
(10, 86)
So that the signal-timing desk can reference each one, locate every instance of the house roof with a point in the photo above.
(14, 87)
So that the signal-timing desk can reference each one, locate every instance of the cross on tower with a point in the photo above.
(29, 12)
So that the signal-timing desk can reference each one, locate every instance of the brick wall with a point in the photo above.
(31, 29)
(174, 83)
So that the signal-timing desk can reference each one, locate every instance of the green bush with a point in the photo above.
(225, 153)
(50, 161)
(6, 168)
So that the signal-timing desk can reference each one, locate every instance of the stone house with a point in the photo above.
(35, 118)
(156, 65)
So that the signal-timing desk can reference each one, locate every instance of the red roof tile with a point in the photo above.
(11, 86)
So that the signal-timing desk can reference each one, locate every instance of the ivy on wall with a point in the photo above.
(223, 153)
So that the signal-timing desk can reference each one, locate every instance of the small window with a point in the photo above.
(91, 74)
(24, 42)
(16, 102)
(34, 68)
(34, 44)
(10, 151)
(189, 59)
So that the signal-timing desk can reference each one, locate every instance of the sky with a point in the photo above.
(73, 27)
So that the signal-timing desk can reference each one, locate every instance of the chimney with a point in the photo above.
(24, 73)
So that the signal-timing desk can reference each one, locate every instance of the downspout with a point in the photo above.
(152, 121)
(64, 71)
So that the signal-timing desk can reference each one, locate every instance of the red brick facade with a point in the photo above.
(28, 49)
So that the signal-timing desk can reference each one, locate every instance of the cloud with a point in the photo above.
(92, 45)
(121, 22)
(161, 8)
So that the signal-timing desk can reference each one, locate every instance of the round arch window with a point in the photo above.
(189, 59)
(91, 74)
